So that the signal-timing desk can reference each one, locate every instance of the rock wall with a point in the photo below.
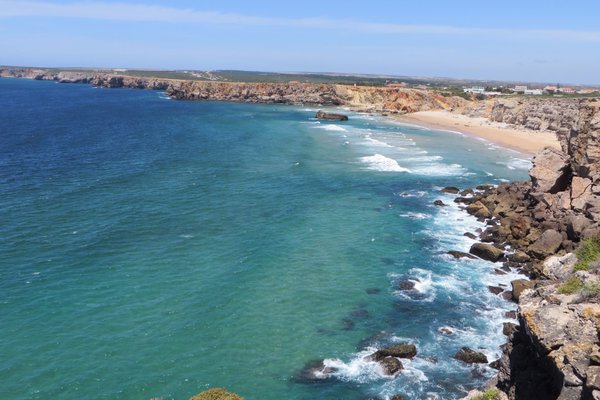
(369, 99)
(555, 351)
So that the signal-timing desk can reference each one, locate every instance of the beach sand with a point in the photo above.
(520, 139)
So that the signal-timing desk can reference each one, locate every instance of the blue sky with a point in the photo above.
(549, 41)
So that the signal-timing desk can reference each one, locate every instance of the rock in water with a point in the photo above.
(330, 116)
(486, 251)
(450, 189)
(401, 350)
(470, 356)
(459, 254)
(391, 365)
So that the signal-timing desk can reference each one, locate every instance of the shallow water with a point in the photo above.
(155, 248)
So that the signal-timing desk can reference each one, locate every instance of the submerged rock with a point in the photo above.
(314, 371)
(460, 254)
(439, 203)
(322, 115)
(470, 356)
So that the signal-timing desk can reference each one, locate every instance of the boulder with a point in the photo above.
(479, 210)
(520, 257)
(520, 226)
(450, 189)
(495, 289)
(550, 172)
(469, 356)
(546, 245)
(486, 252)
(439, 203)
(459, 254)
(390, 365)
(406, 284)
(576, 224)
(581, 191)
(518, 286)
(401, 350)
(556, 267)
(508, 328)
(470, 235)
(322, 115)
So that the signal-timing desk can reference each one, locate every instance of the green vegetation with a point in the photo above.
(591, 288)
(587, 253)
(216, 394)
(489, 394)
(571, 285)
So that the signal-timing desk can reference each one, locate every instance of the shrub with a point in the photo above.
(571, 285)
(587, 253)
(489, 394)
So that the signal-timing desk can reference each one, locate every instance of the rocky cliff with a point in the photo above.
(550, 228)
(370, 99)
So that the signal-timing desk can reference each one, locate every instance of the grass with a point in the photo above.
(489, 394)
(587, 253)
(571, 285)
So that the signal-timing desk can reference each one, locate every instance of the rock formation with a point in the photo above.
(544, 227)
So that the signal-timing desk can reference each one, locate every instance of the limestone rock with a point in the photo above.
(322, 115)
(547, 244)
(550, 172)
(557, 267)
(479, 210)
(581, 192)
(518, 286)
(486, 252)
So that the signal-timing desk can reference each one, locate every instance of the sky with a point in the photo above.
(541, 41)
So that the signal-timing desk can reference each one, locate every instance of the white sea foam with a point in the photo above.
(374, 142)
(332, 127)
(382, 163)
(414, 215)
(424, 159)
(439, 169)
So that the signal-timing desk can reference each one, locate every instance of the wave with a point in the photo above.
(382, 163)
(377, 143)
(439, 169)
(332, 127)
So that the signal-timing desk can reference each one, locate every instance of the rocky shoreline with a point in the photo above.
(549, 228)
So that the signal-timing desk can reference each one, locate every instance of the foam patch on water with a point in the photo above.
(415, 215)
(377, 143)
(332, 128)
(382, 163)
(439, 169)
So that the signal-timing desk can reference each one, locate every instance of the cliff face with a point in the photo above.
(543, 225)
(370, 99)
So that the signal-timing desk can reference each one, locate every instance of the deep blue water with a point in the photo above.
(155, 248)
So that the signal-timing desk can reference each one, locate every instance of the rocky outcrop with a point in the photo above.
(554, 352)
(470, 356)
(322, 115)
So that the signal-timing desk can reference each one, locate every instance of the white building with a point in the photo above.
(535, 92)
(475, 89)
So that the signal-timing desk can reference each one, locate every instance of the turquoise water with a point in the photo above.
(155, 248)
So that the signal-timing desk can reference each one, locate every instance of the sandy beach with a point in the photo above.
(520, 139)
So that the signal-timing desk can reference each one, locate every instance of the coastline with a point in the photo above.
(520, 139)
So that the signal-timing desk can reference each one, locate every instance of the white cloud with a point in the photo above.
(152, 13)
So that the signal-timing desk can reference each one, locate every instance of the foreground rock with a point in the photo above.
(216, 394)
(322, 115)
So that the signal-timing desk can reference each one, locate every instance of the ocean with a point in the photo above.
(152, 248)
